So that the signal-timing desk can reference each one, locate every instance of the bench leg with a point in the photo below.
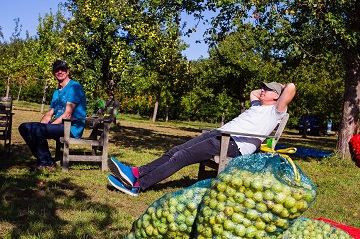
(201, 172)
(58, 154)
(65, 162)
(104, 165)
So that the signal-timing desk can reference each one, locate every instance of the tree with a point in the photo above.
(242, 60)
(107, 38)
(159, 49)
(30, 59)
(48, 48)
(14, 57)
(98, 43)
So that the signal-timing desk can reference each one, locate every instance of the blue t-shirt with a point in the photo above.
(73, 93)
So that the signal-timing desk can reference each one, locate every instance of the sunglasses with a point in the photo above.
(60, 69)
(265, 88)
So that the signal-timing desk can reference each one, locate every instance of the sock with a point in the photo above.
(135, 171)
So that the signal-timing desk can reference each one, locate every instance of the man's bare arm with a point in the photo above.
(285, 98)
(67, 114)
(255, 96)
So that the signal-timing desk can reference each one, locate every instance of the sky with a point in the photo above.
(28, 12)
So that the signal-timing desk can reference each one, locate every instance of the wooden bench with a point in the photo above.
(6, 115)
(219, 162)
(98, 139)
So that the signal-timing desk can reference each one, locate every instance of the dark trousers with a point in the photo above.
(193, 151)
(36, 135)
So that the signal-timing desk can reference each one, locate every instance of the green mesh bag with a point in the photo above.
(255, 196)
(310, 228)
(172, 215)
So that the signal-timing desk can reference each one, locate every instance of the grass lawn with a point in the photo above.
(81, 203)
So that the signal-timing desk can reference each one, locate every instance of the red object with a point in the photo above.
(352, 231)
(355, 147)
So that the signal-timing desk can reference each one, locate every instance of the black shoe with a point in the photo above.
(41, 167)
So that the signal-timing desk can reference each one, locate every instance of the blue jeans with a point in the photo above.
(36, 134)
(193, 151)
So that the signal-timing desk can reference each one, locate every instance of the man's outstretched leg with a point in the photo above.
(169, 163)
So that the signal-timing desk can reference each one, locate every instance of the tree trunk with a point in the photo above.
(167, 114)
(223, 117)
(8, 87)
(44, 97)
(111, 90)
(155, 111)
(350, 116)
(306, 124)
(18, 97)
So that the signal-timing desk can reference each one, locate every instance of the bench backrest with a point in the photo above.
(108, 114)
(6, 120)
(5, 113)
(6, 104)
(279, 130)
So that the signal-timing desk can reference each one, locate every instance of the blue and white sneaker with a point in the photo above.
(122, 172)
(115, 182)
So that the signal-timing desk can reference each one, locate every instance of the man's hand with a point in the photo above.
(47, 116)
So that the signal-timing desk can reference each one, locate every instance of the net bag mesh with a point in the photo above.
(255, 196)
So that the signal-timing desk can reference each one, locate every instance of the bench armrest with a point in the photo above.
(89, 119)
(246, 134)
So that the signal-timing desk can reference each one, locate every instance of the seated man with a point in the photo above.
(269, 105)
(67, 101)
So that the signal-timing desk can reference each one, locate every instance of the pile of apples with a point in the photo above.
(172, 215)
(244, 204)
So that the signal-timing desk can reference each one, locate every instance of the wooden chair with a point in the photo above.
(98, 139)
(219, 162)
(6, 115)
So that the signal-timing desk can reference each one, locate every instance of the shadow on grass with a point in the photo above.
(52, 209)
(33, 208)
(322, 142)
(141, 138)
(179, 184)
(173, 184)
(48, 204)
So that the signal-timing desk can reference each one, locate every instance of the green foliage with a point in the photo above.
(132, 51)
(49, 45)
(241, 61)
(97, 44)
(319, 88)
(110, 40)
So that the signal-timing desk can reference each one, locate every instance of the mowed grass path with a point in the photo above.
(81, 203)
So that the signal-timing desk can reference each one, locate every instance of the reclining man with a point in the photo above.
(268, 106)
